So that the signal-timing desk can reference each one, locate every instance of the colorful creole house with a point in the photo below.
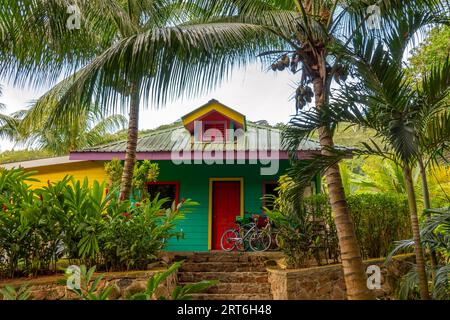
(214, 157)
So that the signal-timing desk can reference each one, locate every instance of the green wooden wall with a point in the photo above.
(194, 184)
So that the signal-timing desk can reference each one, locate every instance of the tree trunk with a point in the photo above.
(427, 205)
(133, 130)
(420, 261)
(352, 263)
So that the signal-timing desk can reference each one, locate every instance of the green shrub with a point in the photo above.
(83, 223)
(380, 219)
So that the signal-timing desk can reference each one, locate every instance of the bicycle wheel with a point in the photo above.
(229, 240)
(260, 241)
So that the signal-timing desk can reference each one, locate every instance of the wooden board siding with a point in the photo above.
(93, 170)
(194, 184)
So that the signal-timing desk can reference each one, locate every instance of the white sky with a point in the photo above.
(255, 92)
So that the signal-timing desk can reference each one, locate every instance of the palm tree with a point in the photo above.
(395, 108)
(196, 57)
(127, 53)
(86, 130)
(315, 34)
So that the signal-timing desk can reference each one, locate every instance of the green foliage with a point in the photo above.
(179, 293)
(91, 288)
(113, 170)
(380, 219)
(435, 235)
(144, 171)
(80, 222)
(300, 225)
(11, 293)
(24, 155)
(435, 48)
(132, 238)
(305, 228)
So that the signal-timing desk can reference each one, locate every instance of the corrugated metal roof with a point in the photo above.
(257, 137)
(39, 163)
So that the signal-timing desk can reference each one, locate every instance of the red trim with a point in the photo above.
(167, 155)
(177, 188)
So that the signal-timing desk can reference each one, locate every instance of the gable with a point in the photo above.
(214, 111)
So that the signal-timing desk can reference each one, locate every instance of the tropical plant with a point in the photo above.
(436, 235)
(379, 220)
(132, 52)
(396, 107)
(295, 225)
(87, 129)
(11, 293)
(434, 49)
(144, 172)
(315, 34)
(90, 288)
(134, 237)
(76, 220)
(179, 293)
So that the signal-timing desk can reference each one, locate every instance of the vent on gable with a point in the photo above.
(214, 131)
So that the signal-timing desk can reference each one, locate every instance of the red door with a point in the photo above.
(226, 206)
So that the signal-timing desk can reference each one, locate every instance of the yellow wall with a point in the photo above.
(93, 170)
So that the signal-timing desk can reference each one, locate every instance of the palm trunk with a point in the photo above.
(427, 205)
(420, 261)
(130, 157)
(352, 263)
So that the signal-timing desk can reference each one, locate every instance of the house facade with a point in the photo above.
(213, 156)
(217, 158)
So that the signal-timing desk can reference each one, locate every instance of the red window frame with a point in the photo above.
(177, 188)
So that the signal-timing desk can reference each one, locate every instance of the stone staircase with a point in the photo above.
(241, 275)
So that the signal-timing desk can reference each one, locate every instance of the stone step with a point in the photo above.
(221, 256)
(222, 267)
(237, 288)
(242, 277)
(221, 296)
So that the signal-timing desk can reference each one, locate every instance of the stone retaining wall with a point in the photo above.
(125, 284)
(327, 282)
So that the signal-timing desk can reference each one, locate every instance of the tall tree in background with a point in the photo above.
(315, 35)
(88, 129)
(127, 53)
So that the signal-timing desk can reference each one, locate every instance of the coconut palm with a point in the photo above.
(127, 53)
(395, 108)
(315, 33)
(86, 130)
(195, 58)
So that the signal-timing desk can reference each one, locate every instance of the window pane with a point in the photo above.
(269, 188)
(168, 190)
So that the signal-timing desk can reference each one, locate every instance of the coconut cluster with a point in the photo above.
(303, 96)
